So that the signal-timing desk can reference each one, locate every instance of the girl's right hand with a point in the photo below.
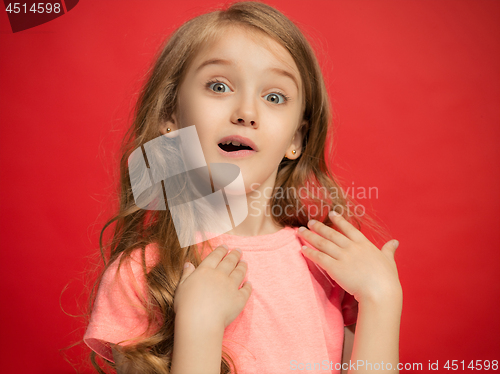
(209, 293)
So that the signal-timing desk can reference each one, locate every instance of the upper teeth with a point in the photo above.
(233, 142)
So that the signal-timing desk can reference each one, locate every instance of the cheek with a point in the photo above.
(193, 105)
(201, 117)
(280, 135)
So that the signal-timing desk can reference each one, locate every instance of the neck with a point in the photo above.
(259, 219)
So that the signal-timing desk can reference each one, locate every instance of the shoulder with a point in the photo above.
(126, 275)
(147, 257)
(136, 262)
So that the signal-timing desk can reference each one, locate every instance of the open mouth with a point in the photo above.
(234, 147)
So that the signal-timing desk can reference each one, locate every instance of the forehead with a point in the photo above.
(242, 45)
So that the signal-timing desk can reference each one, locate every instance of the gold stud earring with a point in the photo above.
(168, 129)
(294, 151)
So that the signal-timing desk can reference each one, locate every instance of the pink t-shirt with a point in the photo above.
(294, 318)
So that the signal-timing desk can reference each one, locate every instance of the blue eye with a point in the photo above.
(276, 98)
(219, 87)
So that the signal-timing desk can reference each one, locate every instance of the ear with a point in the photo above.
(168, 124)
(296, 143)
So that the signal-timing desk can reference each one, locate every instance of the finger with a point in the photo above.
(389, 248)
(246, 290)
(327, 232)
(215, 257)
(318, 257)
(229, 262)
(186, 271)
(238, 274)
(321, 243)
(346, 228)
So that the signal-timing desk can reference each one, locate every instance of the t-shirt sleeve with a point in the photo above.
(119, 315)
(349, 309)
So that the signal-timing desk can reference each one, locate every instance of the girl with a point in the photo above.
(247, 75)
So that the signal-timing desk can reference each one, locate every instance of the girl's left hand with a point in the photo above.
(354, 262)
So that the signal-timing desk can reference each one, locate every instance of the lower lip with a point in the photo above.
(237, 154)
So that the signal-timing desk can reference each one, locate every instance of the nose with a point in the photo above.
(245, 115)
(241, 121)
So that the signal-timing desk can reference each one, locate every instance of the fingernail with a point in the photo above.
(301, 228)
(395, 243)
(238, 249)
(243, 260)
(225, 246)
(312, 222)
(334, 213)
(186, 265)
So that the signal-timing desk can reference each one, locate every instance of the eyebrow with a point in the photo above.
(220, 61)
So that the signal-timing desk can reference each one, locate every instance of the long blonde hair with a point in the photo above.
(136, 228)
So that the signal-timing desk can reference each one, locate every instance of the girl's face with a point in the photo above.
(243, 84)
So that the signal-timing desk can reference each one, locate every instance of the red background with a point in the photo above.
(415, 86)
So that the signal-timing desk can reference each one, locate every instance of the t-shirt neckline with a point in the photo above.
(268, 242)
